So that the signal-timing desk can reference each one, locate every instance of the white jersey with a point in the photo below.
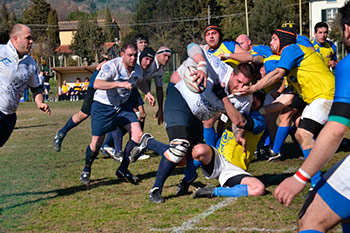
(15, 75)
(206, 105)
(154, 71)
(115, 71)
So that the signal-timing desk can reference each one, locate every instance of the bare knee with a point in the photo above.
(202, 153)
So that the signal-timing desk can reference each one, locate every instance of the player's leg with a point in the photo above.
(328, 203)
(7, 124)
(75, 120)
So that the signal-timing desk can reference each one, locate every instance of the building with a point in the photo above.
(323, 10)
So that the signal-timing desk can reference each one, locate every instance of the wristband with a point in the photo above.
(202, 68)
(202, 63)
(302, 176)
(227, 56)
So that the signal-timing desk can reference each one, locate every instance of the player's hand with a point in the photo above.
(241, 141)
(150, 99)
(224, 56)
(287, 190)
(245, 90)
(199, 77)
(45, 108)
(126, 85)
(160, 116)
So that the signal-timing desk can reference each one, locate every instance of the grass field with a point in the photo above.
(41, 191)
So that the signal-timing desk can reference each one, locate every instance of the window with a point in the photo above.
(329, 15)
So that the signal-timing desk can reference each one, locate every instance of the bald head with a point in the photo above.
(21, 38)
(244, 41)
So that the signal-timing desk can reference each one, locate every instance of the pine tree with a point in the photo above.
(89, 40)
(53, 31)
(4, 24)
(37, 14)
(109, 30)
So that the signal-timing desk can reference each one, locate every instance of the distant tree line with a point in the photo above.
(165, 22)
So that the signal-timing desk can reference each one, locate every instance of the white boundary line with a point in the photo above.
(190, 224)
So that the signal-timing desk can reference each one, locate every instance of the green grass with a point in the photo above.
(41, 191)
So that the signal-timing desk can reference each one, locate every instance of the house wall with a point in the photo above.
(316, 8)
(66, 37)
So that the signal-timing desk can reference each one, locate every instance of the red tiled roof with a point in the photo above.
(73, 25)
(63, 49)
(108, 45)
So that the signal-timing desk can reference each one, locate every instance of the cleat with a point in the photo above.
(118, 157)
(182, 188)
(155, 195)
(204, 192)
(274, 156)
(140, 148)
(127, 176)
(57, 141)
(107, 152)
(85, 177)
(144, 157)
(264, 154)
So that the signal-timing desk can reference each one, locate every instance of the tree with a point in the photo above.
(53, 31)
(109, 27)
(234, 25)
(265, 18)
(89, 39)
(4, 24)
(37, 15)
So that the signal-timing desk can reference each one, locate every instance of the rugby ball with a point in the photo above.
(188, 79)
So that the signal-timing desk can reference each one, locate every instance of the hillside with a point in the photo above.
(63, 8)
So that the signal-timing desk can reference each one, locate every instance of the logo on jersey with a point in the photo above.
(6, 61)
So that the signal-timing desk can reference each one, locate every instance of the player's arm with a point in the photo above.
(142, 85)
(160, 97)
(271, 78)
(324, 148)
(195, 52)
(278, 104)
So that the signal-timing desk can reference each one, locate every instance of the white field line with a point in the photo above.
(27, 119)
(190, 224)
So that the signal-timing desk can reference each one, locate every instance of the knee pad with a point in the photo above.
(177, 150)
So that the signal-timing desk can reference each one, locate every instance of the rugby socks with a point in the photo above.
(190, 169)
(109, 140)
(267, 141)
(164, 170)
(240, 190)
(90, 156)
(317, 176)
(156, 146)
(281, 135)
(209, 136)
(118, 139)
(312, 231)
(68, 126)
(126, 161)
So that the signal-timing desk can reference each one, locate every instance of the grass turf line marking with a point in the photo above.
(190, 225)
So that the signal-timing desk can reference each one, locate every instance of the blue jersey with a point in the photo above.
(303, 40)
(262, 50)
(92, 79)
(341, 104)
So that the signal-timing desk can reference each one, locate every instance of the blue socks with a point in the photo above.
(164, 170)
(157, 146)
(90, 156)
(126, 161)
(118, 139)
(68, 126)
(281, 134)
(240, 190)
(311, 231)
(317, 177)
(209, 136)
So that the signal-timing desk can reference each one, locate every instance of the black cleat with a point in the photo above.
(182, 188)
(85, 177)
(155, 195)
(140, 148)
(204, 192)
(118, 157)
(127, 176)
(57, 141)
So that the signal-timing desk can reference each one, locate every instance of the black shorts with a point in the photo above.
(88, 100)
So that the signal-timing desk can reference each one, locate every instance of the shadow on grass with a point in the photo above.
(60, 192)
(33, 126)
